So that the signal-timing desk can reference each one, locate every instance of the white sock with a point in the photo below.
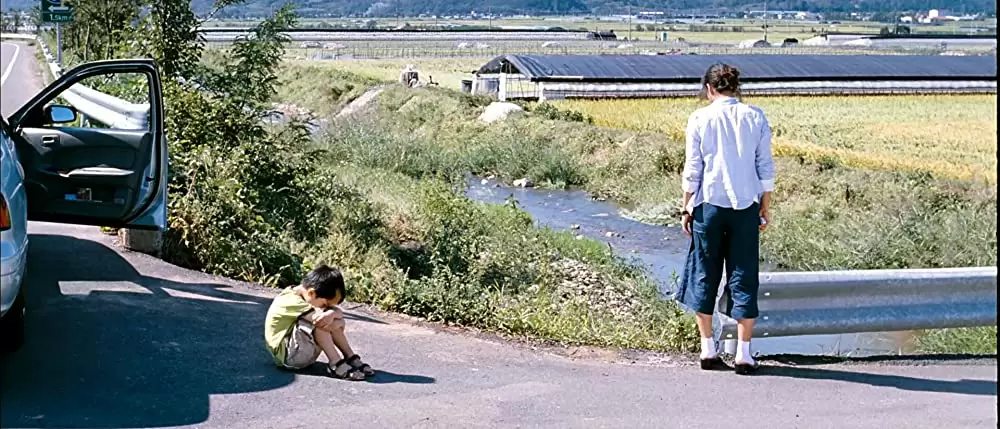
(743, 354)
(708, 348)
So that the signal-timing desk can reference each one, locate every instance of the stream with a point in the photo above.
(662, 250)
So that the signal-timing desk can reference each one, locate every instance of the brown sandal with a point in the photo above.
(356, 363)
(344, 371)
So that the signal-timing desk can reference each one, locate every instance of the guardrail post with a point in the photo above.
(59, 59)
(729, 347)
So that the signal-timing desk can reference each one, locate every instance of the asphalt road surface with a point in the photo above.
(119, 339)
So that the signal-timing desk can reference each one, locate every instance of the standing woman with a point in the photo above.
(728, 180)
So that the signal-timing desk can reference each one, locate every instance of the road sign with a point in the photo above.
(56, 11)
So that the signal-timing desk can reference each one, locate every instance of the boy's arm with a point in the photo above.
(321, 317)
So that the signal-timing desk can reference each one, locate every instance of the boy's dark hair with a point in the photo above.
(326, 282)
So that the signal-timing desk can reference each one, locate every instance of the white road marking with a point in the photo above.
(10, 65)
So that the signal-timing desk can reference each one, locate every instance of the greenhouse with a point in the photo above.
(549, 77)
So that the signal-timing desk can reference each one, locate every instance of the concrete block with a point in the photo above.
(137, 240)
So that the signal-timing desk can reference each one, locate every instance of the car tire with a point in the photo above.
(12, 325)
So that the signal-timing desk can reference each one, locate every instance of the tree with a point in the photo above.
(16, 20)
(239, 191)
(101, 29)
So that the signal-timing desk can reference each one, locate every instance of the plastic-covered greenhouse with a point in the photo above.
(547, 77)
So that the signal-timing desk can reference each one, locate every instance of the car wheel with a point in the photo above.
(12, 332)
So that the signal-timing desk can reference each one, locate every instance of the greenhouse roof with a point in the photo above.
(753, 67)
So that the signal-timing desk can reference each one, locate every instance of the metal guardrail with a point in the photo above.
(843, 302)
(106, 109)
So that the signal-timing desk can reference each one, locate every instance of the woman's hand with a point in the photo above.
(765, 217)
(686, 221)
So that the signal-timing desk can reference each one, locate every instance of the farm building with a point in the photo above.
(549, 77)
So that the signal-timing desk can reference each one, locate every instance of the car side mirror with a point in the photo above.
(57, 114)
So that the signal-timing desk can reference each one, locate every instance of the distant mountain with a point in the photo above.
(388, 8)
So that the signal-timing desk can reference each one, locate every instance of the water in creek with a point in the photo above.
(663, 250)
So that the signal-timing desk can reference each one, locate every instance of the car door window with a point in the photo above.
(93, 148)
(117, 101)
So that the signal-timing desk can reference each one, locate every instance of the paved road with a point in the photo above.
(118, 339)
(20, 73)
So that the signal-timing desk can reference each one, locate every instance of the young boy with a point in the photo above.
(303, 321)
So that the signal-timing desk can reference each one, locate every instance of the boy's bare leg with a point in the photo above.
(324, 339)
(339, 339)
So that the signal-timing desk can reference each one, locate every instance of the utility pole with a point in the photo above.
(765, 20)
(629, 11)
(489, 11)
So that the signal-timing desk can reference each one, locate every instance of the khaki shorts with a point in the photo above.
(301, 348)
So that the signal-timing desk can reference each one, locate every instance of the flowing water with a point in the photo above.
(663, 250)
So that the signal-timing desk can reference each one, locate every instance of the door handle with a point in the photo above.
(50, 140)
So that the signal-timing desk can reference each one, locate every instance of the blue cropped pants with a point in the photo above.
(723, 238)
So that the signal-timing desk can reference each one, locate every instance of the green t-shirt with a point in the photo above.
(285, 310)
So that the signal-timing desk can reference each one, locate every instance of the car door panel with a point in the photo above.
(75, 148)
(101, 169)
(94, 176)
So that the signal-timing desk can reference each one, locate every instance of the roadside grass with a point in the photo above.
(324, 89)
(829, 214)
(962, 340)
(418, 247)
(409, 242)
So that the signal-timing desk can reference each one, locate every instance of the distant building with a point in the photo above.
(939, 14)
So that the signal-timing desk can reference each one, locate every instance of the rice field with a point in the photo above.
(950, 136)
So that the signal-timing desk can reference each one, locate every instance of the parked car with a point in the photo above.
(55, 171)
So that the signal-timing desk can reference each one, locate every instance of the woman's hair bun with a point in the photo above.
(723, 77)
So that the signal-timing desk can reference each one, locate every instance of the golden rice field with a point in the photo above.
(952, 136)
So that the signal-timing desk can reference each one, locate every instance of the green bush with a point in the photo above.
(550, 111)
(240, 193)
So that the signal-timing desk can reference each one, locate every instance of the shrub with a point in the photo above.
(550, 111)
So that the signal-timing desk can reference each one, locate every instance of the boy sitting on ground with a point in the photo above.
(304, 321)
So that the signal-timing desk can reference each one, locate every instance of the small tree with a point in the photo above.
(15, 21)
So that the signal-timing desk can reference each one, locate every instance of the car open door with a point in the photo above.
(86, 160)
